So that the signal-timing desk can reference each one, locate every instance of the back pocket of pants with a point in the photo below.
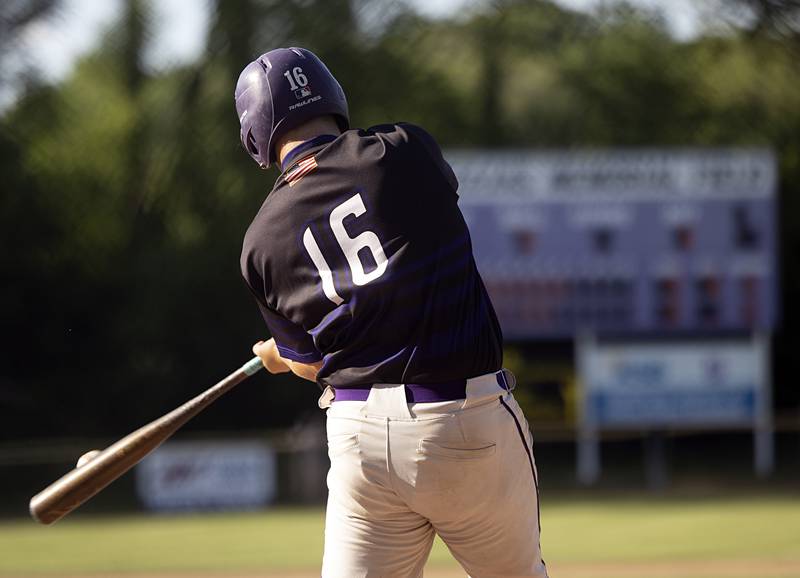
(456, 451)
(453, 471)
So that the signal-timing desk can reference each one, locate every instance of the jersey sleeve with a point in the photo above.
(434, 152)
(293, 341)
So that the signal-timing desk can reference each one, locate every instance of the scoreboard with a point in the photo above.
(624, 242)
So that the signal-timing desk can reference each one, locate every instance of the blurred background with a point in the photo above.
(630, 172)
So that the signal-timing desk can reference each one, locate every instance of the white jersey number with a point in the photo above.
(351, 247)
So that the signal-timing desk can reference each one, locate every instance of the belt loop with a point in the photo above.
(326, 398)
(387, 400)
(507, 380)
(501, 380)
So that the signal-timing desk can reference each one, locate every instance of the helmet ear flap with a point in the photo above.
(249, 143)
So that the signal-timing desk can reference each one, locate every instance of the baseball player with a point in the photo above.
(361, 264)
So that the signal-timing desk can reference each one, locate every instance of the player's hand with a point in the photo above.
(270, 357)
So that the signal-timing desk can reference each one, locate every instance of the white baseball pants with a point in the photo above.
(401, 473)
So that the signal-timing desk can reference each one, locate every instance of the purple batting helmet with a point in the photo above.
(280, 90)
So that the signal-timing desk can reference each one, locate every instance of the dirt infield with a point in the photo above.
(682, 569)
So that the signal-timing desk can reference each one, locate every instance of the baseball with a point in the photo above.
(87, 457)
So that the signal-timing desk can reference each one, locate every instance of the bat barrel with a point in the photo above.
(80, 484)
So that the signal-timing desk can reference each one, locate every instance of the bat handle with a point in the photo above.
(253, 366)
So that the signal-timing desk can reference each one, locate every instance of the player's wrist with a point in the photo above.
(268, 352)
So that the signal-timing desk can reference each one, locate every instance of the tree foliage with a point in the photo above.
(125, 193)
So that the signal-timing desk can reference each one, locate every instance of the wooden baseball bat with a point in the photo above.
(74, 488)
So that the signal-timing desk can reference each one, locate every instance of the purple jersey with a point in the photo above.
(360, 257)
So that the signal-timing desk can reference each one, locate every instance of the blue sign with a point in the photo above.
(648, 410)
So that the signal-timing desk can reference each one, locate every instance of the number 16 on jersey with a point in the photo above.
(351, 246)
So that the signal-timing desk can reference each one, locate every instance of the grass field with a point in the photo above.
(757, 537)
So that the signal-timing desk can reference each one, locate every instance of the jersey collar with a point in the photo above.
(305, 146)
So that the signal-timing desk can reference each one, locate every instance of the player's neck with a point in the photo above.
(305, 132)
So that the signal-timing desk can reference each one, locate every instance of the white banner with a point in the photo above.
(660, 367)
(670, 384)
(208, 475)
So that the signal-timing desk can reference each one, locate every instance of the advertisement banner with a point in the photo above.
(208, 475)
(665, 384)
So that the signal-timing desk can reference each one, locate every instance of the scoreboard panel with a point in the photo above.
(634, 241)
